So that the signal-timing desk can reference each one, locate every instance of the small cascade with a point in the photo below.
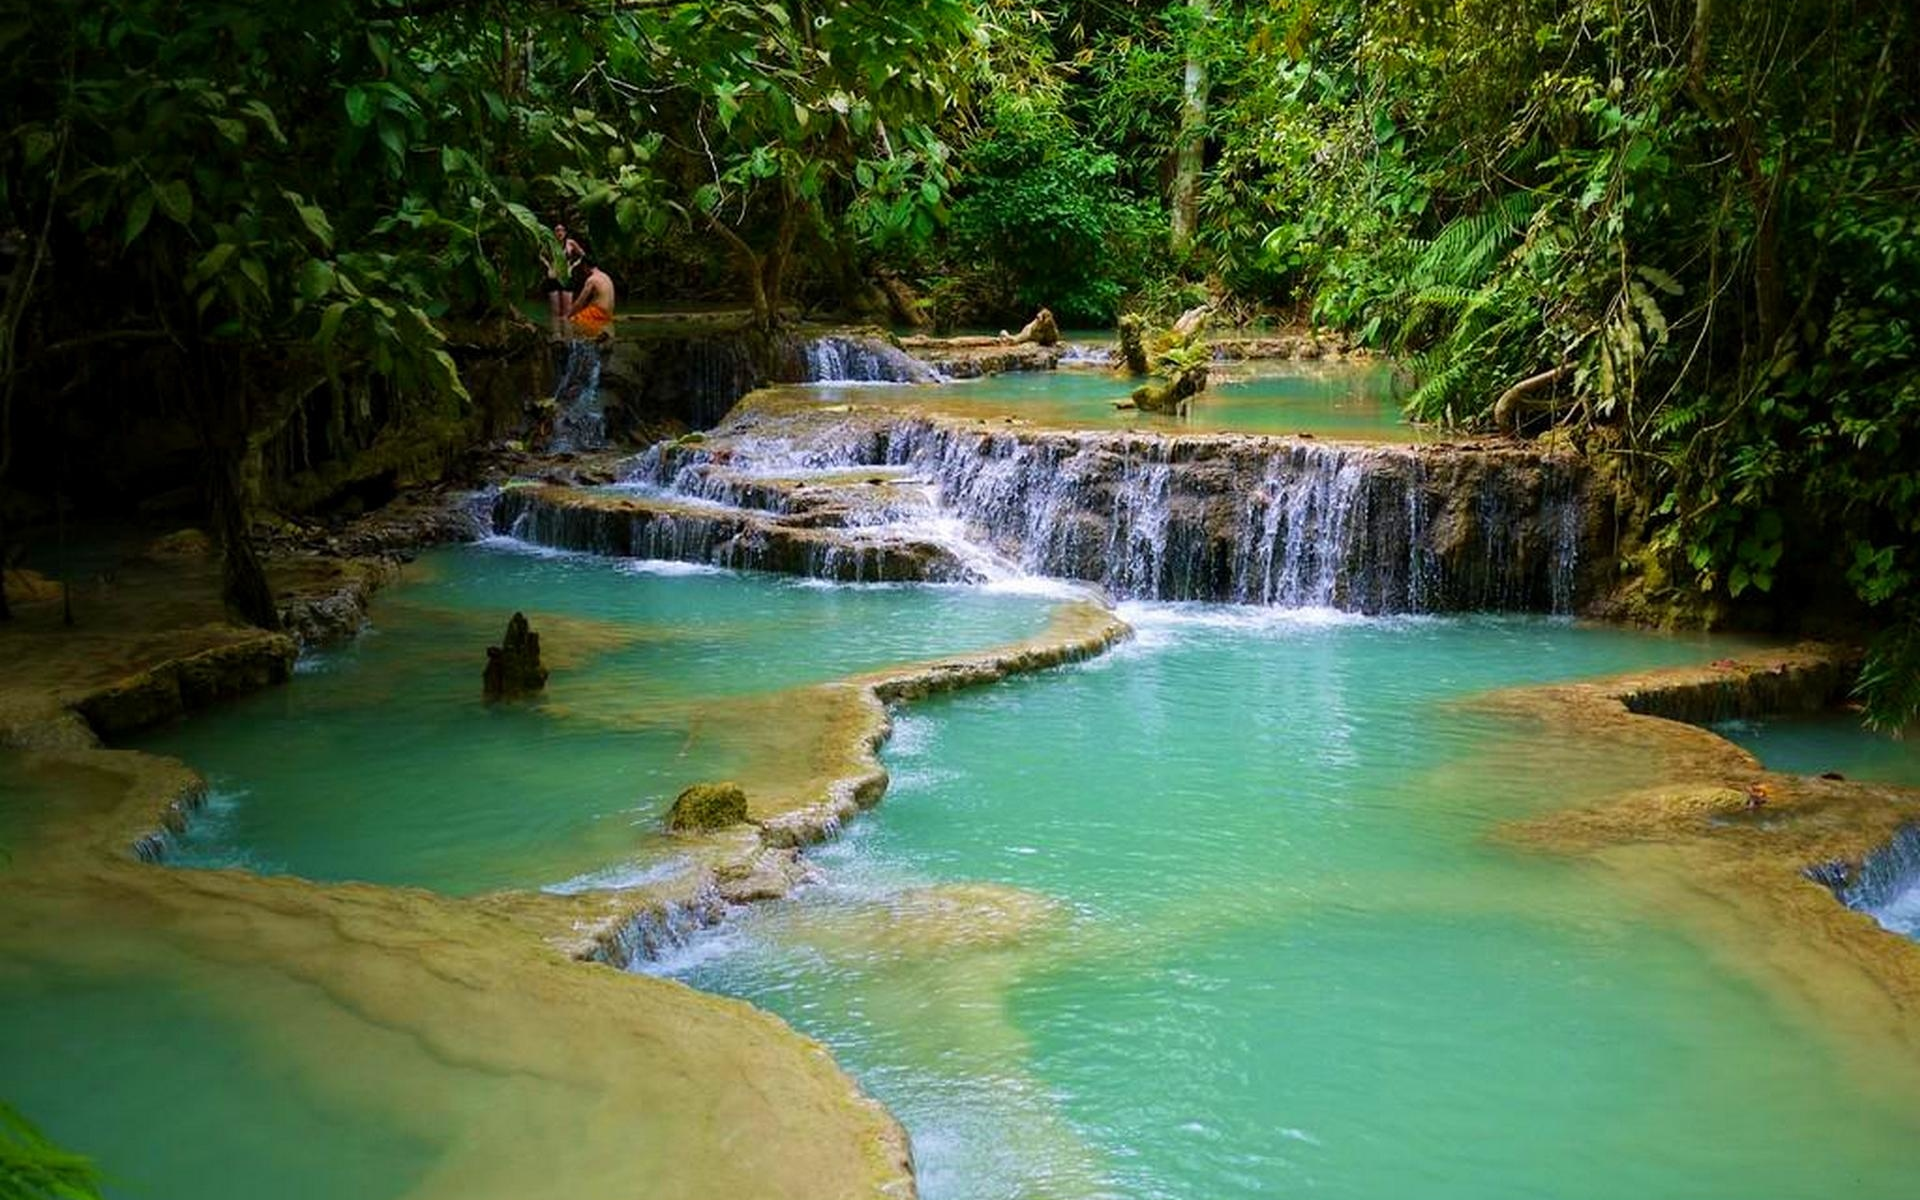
(580, 421)
(651, 935)
(1086, 354)
(845, 358)
(1254, 521)
(1885, 886)
(1248, 520)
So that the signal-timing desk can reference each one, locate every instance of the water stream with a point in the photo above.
(1221, 915)
(1224, 913)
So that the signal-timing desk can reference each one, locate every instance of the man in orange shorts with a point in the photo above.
(592, 313)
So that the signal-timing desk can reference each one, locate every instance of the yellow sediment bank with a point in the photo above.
(530, 1074)
(1721, 845)
(462, 1022)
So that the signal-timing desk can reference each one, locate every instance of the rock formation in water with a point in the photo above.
(1174, 395)
(514, 667)
(708, 806)
(1041, 331)
(1133, 344)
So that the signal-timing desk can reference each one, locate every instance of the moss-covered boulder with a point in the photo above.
(1133, 344)
(1174, 395)
(708, 806)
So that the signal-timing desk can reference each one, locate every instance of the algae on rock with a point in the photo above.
(708, 806)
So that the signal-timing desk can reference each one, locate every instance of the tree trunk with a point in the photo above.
(1190, 150)
(6, 610)
(243, 581)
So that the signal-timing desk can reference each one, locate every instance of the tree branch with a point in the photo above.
(1503, 407)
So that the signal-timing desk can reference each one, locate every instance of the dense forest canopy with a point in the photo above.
(1676, 233)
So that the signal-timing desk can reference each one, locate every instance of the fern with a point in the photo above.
(1466, 251)
(1889, 685)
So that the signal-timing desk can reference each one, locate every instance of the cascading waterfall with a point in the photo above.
(655, 933)
(1261, 522)
(579, 422)
(839, 358)
(1374, 529)
(1886, 886)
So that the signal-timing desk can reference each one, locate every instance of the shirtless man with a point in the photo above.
(592, 313)
(559, 286)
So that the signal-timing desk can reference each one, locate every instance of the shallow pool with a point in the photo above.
(1225, 914)
(1352, 401)
(382, 763)
(156, 1074)
(1823, 743)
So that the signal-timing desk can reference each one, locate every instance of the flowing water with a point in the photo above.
(1225, 913)
(1351, 401)
(383, 765)
(1222, 915)
(1887, 885)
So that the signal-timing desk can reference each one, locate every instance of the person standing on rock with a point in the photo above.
(592, 313)
(560, 278)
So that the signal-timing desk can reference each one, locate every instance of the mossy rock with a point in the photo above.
(181, 545)
(708, 806)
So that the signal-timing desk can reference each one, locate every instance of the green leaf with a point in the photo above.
(175, 200)
(256, 274)
(314, 279)
(138, 214)
(36, 144)
(330, 323)
(313, 217)
(264, 115)
(394, 139)
(212, 261)
(360, 106)
(230, 129)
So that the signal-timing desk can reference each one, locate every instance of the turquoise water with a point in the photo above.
(382, 764)
(1827, 742)
(1327, 400)
(1222, 915)
(173, 1098)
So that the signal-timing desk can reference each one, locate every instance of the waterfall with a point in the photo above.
(653, 934)
(1262, 521)
(579, 421)
(1240, 519)
(842, 358)
(1886, 885)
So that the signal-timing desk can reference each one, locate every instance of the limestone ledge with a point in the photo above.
(177, 686)
(975, 357)
(1742, 854)
(761, 860)
(811, 542)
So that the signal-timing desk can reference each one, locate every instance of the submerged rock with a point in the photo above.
(513, 667)
(708, 806)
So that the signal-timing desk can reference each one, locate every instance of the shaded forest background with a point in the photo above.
(1676, 234)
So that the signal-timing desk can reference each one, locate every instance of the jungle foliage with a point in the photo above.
(1677, 232)
(1682, 230)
